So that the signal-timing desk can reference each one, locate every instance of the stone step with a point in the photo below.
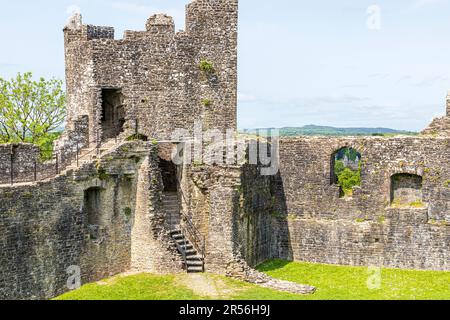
(174, 201)
(194, 269)
(172, 206)
(194, 263)
(194, 257)
(190, 251)
(170, 197)
(174, 216)
(182, 243)
(186, 247)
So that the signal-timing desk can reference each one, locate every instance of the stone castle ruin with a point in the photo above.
(112, 200)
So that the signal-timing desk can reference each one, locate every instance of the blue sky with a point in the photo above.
(300, 62)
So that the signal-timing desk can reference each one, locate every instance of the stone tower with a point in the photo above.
(152, 81)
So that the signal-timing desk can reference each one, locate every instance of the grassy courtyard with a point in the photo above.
(332, 282)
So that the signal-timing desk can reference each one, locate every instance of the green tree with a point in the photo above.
(338, 167)
(31, 111)
(349, 179)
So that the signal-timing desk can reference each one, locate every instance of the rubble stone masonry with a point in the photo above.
(106, 215)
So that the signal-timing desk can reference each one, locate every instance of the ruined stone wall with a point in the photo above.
(158, 71)
(254, 215)
(316, 225)
(27, 164)
(45, 229)
(440, 126)
(152, 250)
(22, 158)
(232, 206)
(72, 141)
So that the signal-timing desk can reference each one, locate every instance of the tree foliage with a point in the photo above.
(351, 154)
(347, 178)
(31, 111)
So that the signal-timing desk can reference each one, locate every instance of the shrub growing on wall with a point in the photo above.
(206, 66)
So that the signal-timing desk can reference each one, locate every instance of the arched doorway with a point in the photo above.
(113, 113)
(171, 199)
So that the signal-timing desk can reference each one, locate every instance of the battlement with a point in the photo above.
(207, 14)
(75, 30)
(200, 15)
(160, 23)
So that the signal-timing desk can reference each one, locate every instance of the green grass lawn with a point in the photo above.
(350, 283)
(332, 282)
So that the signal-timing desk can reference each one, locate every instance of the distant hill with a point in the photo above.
(313, 130)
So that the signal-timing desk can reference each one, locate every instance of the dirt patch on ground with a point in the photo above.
(207, 285)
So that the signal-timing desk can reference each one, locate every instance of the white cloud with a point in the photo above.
(243, 97)
(432, 81)
(141, 9)
(133, 7)
(418, 4)
(71, 10)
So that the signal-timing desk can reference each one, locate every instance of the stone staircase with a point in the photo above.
(194, 262)
(171, 205)
(87, 155)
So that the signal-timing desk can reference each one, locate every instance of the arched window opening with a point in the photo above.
(346, 170)
(406, 190)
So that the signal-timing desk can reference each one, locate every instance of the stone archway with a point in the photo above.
(113, 113)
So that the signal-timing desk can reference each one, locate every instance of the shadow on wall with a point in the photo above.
(260, 218)
(283, 249)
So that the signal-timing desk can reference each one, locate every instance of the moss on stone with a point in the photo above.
(137, 136)
(207, 102)
(381, 219)
(206, 66)
(127, 211)
(102, 174)
(417, 204)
